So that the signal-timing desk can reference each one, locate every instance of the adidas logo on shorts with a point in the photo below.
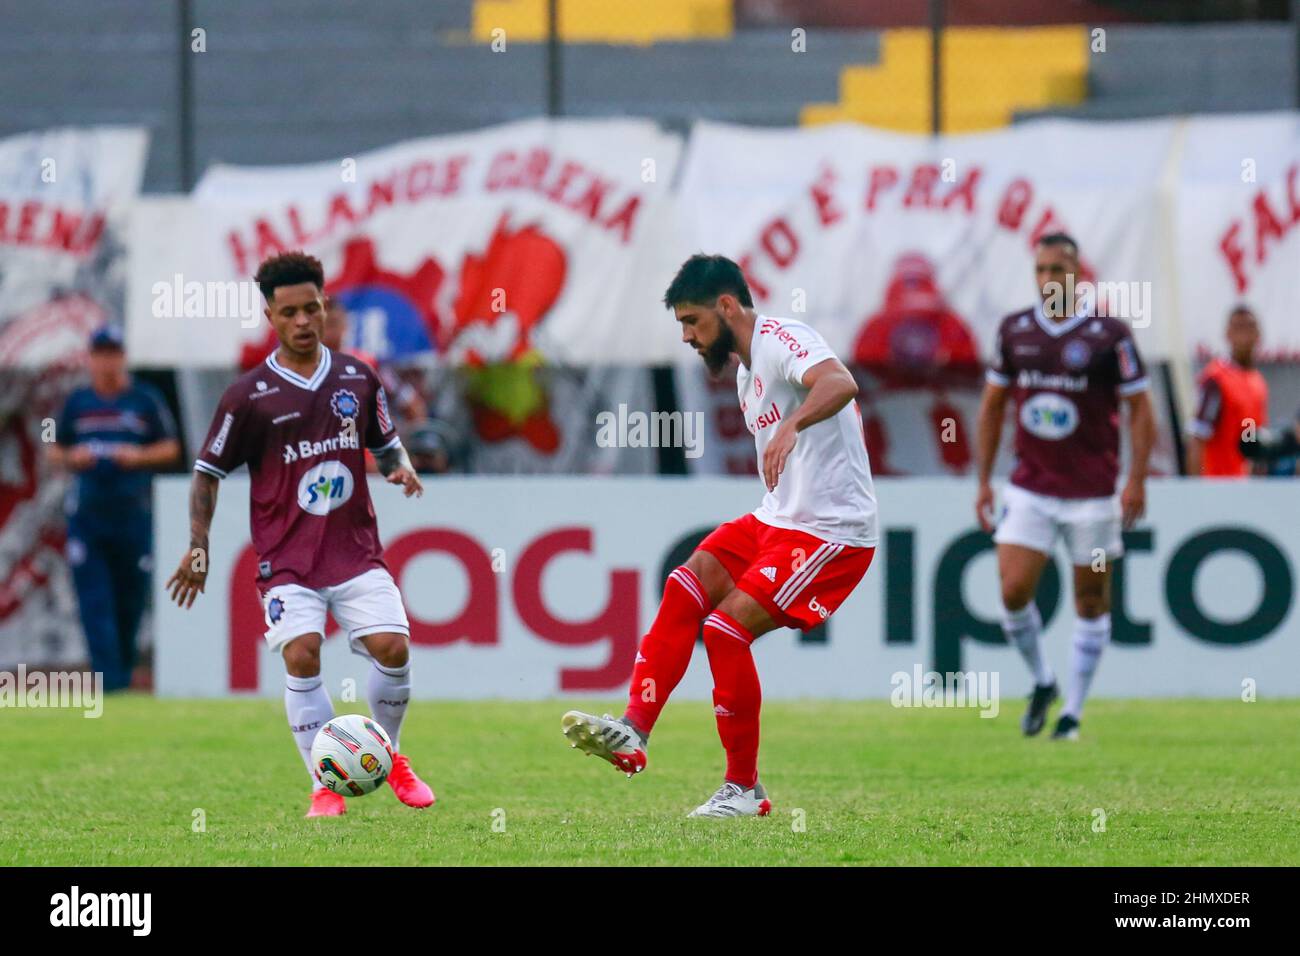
(769, 573)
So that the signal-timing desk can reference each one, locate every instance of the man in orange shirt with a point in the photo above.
(1233, 403)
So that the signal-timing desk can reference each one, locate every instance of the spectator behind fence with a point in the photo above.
(1232, 402)
(112, 434)
(435, 448)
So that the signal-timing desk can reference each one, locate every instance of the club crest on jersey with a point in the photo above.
(327, 486)
(1076, 354)
(758, 387)
(345, 405)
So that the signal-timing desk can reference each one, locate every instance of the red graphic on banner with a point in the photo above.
(503, 295)
(478, 621)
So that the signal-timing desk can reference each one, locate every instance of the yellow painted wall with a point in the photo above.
(606, 21)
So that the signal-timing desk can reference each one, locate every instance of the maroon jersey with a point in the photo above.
(1066, 378)
(312, 519)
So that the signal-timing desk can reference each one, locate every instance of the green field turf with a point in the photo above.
(1180, 782)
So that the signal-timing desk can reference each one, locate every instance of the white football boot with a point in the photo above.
(605, 737)
(733, 800)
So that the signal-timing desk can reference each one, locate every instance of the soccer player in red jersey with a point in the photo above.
(298, 420)
(790, 563)
(1067, 374)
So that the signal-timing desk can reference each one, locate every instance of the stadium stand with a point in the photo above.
(312, 80)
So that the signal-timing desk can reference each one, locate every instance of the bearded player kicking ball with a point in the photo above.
(1067, 374)
(790, 563)
(298, 421)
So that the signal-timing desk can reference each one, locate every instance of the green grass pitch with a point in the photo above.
(1179, 782)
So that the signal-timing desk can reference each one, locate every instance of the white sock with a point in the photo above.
(1023, 628)
(308, 705)
(388, 692)
(1090, 639)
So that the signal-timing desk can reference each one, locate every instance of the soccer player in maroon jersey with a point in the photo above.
(1067, 374)
(299, 420)
(791, 562)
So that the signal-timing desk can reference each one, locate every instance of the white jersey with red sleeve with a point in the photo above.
(826, 488)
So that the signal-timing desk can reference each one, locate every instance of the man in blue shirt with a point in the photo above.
(112, 435)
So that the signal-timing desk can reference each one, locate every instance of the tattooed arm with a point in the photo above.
(191, 575)
(395, 465)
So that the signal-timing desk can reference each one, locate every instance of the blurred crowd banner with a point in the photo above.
(1177, 220)
(64, 198)
(556, 238)
(530, 241)
(532, 587)
(550, 243)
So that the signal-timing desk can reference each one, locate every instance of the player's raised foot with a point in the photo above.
(326, 803)
(607, 738)
(733, 800)
(1036, 713)
(1067, 728)
(410, 789)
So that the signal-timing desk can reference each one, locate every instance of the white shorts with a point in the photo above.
(367, 604)
(1088, 525)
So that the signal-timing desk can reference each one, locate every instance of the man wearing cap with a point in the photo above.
(112, 434)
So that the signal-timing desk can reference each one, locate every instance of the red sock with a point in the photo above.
(666, 650)
(737, 696)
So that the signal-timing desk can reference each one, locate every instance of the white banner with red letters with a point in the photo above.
(535, 240)
(556, 238)
(64, 198)
(540, 587)
(1237, 230)
(907, 250)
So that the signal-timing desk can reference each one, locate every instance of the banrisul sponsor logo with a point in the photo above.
(298, 451)
(77, 908)
(327, 486)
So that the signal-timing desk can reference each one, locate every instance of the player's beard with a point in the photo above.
(717, 355)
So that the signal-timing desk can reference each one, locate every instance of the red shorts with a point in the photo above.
(798, 578)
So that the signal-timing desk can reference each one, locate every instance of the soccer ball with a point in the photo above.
(352, 755)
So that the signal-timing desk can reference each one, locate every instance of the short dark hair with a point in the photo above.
(289, 268)
(1059, 239)
(701, 279)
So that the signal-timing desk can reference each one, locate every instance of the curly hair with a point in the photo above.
(289, 268)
